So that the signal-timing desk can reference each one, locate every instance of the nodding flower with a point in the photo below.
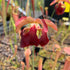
(35, 33)
(59, 8)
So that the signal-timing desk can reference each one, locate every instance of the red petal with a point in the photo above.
(33, 37)
(19, 21)
(67, 50)
(53, 2)
(23, 21)
(51, 24)
(24, 40)
(43, 39)
(29, 38)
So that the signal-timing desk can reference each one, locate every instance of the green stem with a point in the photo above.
(11, 46)
(53, 13)
(15, 38)
(4, 17)
(64, 38)
(33, 56)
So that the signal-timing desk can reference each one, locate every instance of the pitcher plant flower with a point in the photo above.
(36, 33)
(59, 8)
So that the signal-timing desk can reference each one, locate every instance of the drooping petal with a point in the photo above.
(25, 39)
(25, 20)
(51, 24)
(43, 39)
(53, 2)
(67, 50)
(20, 21)
(30, 38)
(33, 37)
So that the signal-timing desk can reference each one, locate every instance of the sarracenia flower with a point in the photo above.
(55, 1)
(59, 8)
(36, 33)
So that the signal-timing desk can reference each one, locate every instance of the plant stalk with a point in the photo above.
(4, 16)
(33, 56)
(56, 58)
(53, 13)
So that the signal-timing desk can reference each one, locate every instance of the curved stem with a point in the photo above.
(58, 52)
(4, 17)
(33, 56)
(53, 13)
(65, 37)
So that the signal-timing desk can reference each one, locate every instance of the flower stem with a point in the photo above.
(53, 13)
(58, 52)
(33, 56)
(4, 17)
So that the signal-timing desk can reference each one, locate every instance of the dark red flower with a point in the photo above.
(34, 34)
(31, 38)
(59, 8)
